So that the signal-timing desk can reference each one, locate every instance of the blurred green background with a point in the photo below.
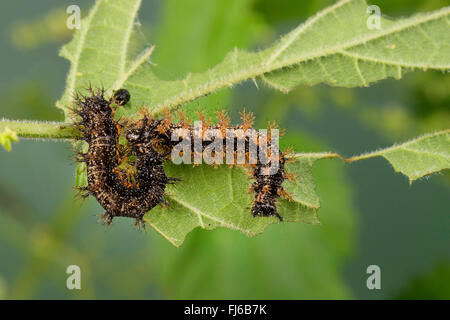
(370, 215)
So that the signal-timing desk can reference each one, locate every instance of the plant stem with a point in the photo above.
(39, 129)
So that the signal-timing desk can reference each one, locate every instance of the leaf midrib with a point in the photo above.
(80, 47)
(125, 74)
(200, 214)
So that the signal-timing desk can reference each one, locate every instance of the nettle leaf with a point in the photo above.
(418, 157)
(209, 197)
(335, 47)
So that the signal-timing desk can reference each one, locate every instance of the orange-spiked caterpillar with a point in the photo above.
(129, 180)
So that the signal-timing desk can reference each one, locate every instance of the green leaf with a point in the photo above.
(8, 136)
(335, 46)
(418, 157)
(209, 197)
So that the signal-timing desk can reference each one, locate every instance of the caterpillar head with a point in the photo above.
(121, 97)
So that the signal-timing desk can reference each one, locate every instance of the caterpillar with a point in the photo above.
(267, 187)
(131, 188)
(118, 192)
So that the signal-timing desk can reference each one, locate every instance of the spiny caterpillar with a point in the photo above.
(117, 192)
(131, 188)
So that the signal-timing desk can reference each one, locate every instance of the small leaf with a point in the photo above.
(418, 157)
(8, 136)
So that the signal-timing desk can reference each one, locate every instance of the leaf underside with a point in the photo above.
(335, 47)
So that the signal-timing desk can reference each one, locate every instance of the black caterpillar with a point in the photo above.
(118, 192)
(131, 188)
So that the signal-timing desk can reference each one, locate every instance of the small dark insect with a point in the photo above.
(121, 96)
(131, 188)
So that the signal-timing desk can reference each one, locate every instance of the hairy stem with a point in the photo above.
(39, 129)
